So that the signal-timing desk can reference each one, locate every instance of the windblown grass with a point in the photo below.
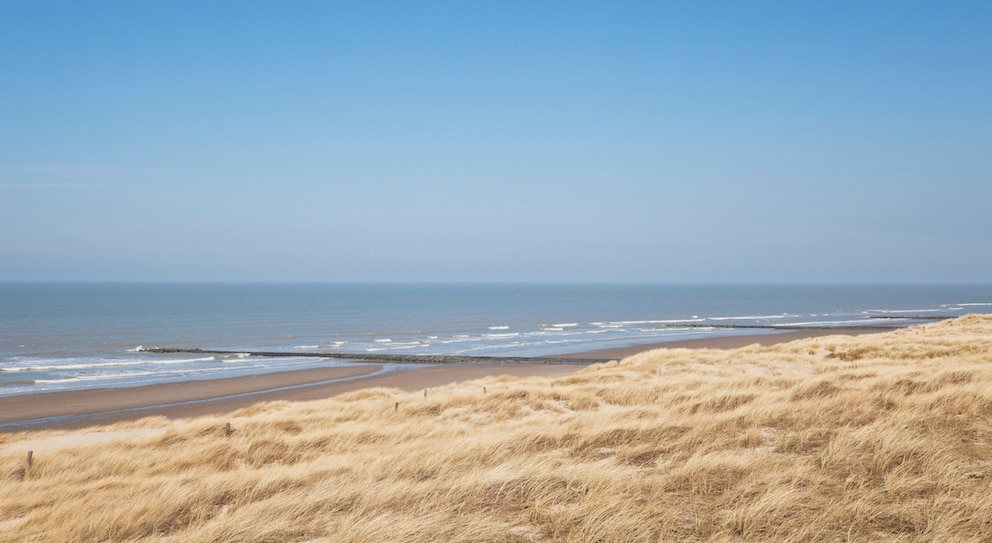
(877, 437)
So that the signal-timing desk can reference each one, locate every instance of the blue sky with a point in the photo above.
(472, 141)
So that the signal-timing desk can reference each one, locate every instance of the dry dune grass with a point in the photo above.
(880, 437)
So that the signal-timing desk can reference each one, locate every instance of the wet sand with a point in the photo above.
(83, 408)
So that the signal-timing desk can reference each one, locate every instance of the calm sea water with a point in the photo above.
(70, 336)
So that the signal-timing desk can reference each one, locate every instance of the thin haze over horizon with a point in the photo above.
(512, 141)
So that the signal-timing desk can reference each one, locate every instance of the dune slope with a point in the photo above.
(876, 437)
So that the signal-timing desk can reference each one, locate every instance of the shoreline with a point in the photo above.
(83, 408)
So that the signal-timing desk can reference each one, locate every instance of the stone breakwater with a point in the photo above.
(391, 358)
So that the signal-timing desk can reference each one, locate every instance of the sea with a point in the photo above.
(69, 336)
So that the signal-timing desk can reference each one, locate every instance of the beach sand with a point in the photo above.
(84, 408)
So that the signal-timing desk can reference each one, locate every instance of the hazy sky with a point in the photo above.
(470, 141)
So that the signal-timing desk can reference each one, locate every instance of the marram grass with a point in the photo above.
(880, 437)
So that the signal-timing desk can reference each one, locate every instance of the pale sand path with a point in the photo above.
(77, 439)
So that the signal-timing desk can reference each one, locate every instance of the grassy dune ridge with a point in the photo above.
(876, 437)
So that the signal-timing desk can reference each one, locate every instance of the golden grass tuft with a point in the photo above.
(880, 437)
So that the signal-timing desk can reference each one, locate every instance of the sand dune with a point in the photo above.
(879, 437)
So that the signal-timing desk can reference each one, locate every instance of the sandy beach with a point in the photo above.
(78, 409)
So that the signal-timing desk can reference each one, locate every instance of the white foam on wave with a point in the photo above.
(301, 347)
(747, 317)
(387, 340)
(234, 357)
(393, 346)
(560, 332)
(461, 339)
(111, 377)
(499, 327)
(137, 349)
(99, 377)
(137, 378)
(106, 364)
(398, 346)
(497, 336)
(899, 311)
(565, 325)
(976, 304)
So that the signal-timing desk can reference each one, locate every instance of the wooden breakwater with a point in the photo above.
(391, 358)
